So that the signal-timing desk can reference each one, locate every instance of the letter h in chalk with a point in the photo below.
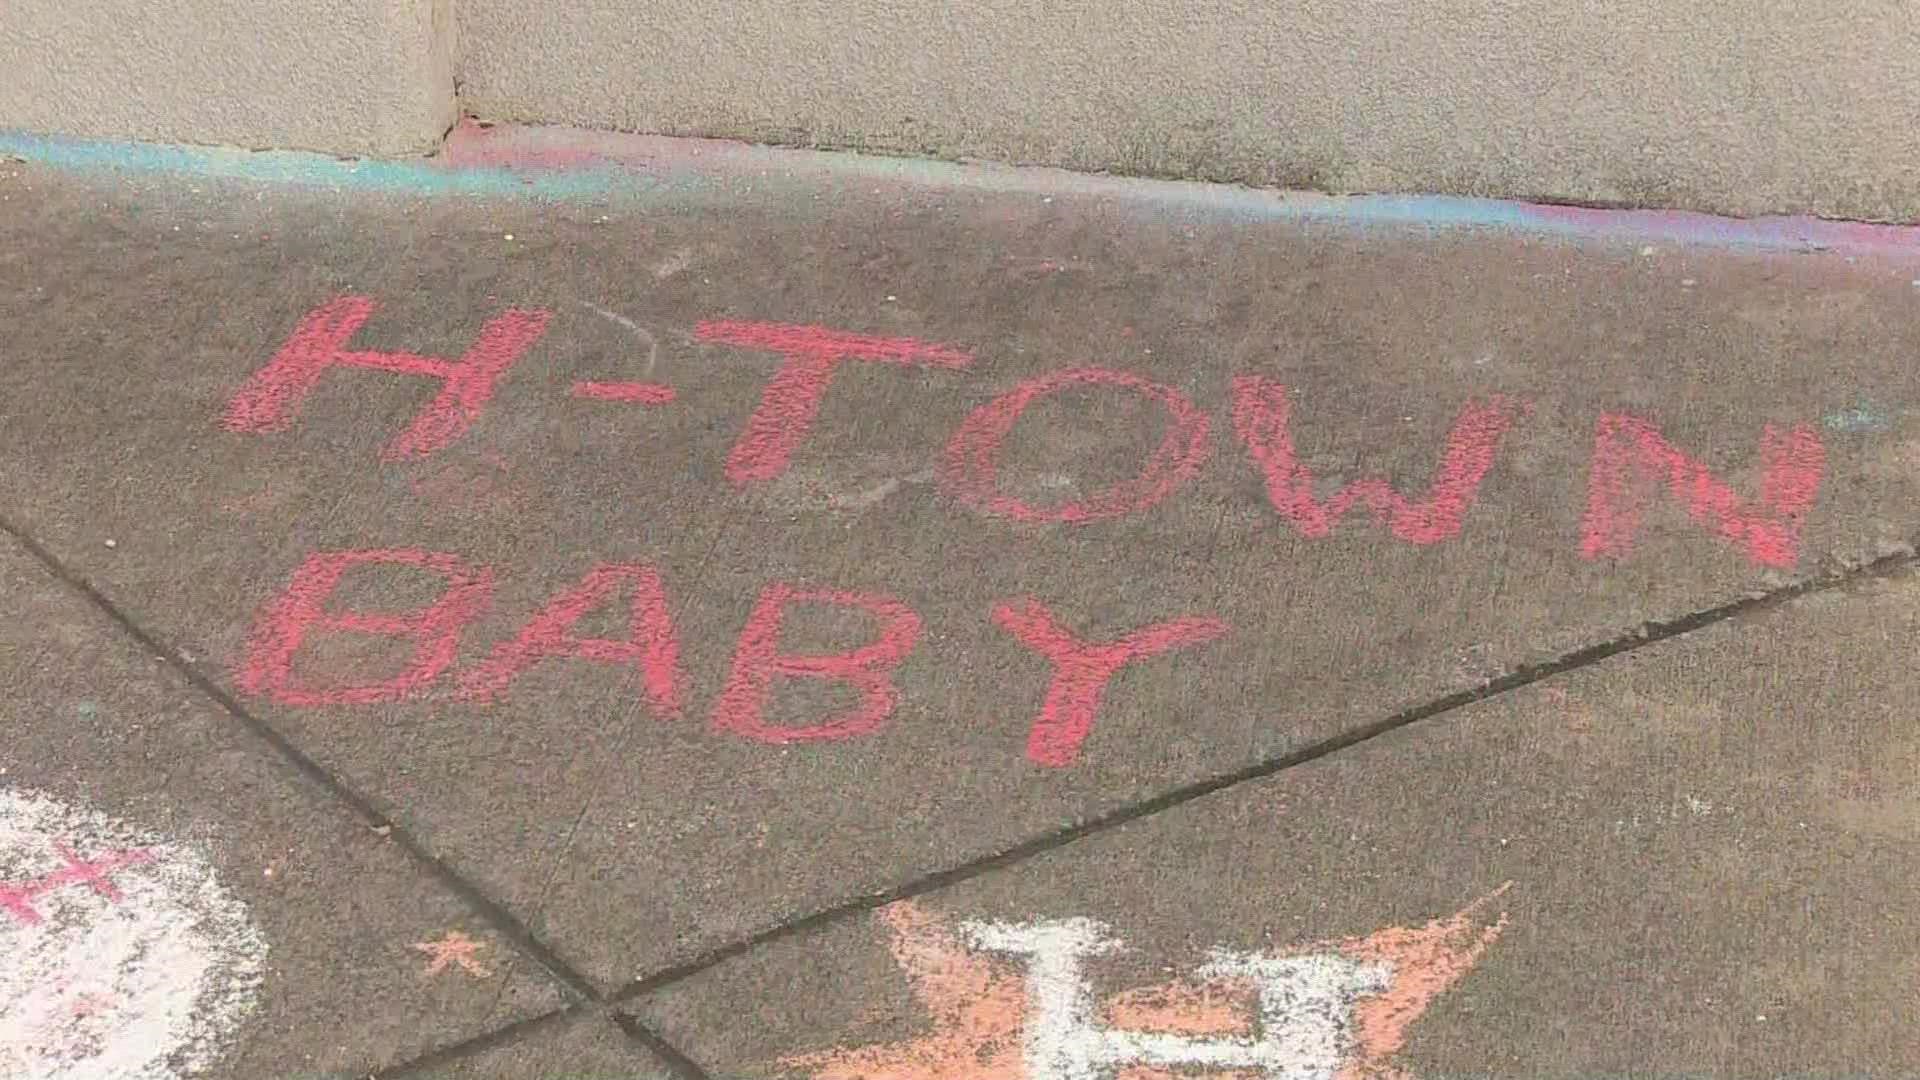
(272, 397)
(1305, 1023)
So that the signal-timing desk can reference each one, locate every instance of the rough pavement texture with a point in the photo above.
(581, 1047)
(1698, 859)
(1555, 453)
(1731, 107)
(359, 77)
(94, 718)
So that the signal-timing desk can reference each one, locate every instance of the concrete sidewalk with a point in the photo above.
(777, 616)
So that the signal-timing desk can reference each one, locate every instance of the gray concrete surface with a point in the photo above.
(94, 720)
(1721, 106)
(1707, 851)
(583, 1047)
(354, 77)
(669, 872)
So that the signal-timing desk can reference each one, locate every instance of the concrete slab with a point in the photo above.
(252, 926)
(1703, 390)
(1720, 106)
(350, 77)
(583, 1047)
(1696, 859)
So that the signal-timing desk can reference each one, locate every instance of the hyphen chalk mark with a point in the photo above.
(631, 393)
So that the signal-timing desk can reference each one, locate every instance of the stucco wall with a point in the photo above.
(1740, 106)
(346, 76)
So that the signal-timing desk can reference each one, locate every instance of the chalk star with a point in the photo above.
(456, 948)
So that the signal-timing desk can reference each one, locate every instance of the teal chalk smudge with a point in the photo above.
(1858, 419)
(756, 169)
(302, 169)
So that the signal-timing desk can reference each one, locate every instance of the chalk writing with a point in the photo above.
(272, 398)
(1630, 460)
(300, 611)
(970, 467)
(791, 401)
(1262, 414)
(1082, 669)
(631, 393)
(868, 669)
(121, 954)
(651, 648)
(1625, 446)
(1016, 1001)
(1791, 466)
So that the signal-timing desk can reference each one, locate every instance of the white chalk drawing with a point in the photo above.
(122, 957)
(1304, 1027)
(1022, 1001)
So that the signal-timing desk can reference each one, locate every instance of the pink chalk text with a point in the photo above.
(1632, 463)
(96, 874)
(272, 398)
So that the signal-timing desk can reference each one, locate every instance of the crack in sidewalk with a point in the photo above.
(1651, 633)
(590, 999)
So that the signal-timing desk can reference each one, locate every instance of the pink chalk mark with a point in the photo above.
(88, 1005)
(791, 401)
(1262, 414)
(970, 467)
(272, 398)
(1081, 670)
(300, 610)
(632, 393)
(757, 661)
(95, 874)
(1792, 464)
(473, 145)
(651, 648)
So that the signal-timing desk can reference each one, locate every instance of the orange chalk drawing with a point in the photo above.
(1339, 1008)
(455, 949)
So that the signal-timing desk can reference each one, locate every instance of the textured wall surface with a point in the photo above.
(345, 76)
(1739, 106)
